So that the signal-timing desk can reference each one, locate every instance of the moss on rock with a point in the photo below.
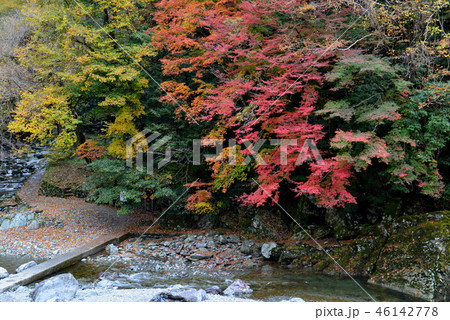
(415, 260)
(409, 254)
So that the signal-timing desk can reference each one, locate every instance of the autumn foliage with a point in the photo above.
(365, 82)
(91, 151)
(200, 202)
(258, 69)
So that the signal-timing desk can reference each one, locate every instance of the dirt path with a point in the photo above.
(79, 222)
(75, 212)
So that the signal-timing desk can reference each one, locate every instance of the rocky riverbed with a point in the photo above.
(141, 268)
(207, 253)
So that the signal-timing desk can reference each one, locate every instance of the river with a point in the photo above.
(269, 283)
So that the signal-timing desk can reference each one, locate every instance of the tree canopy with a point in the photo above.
(366, 82)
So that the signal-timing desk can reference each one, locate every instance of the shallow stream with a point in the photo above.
(269, 283)
(14, 171)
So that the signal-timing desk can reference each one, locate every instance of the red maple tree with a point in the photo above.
(255, 69)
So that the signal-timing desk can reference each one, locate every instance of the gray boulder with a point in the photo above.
(62, 287)
(36, 224)
(19, 220)
(3, 273)
(190, 295)
(238, 288)
(26, 266)
(267, 248)
(339, 224)
(246, 247)
(417, 253)
(5, 224)
(214, 290)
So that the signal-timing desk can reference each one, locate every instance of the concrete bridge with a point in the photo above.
(56, 264)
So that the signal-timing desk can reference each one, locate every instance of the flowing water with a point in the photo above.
(269, 283)
(15, 170)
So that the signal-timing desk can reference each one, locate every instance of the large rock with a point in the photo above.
(36, 224)
(190, 295)
(214, 290)
(6, 223)
(267, 249)
(246, 247)
(267, 224)
(19, 220)
(238, 288)
(26, 266)
(3, 273)
(416, 258)
(60, 288)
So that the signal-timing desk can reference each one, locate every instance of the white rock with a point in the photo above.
(3, 273)
(267, 248)
(238, 288)
(62, 287)
(26, 266)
